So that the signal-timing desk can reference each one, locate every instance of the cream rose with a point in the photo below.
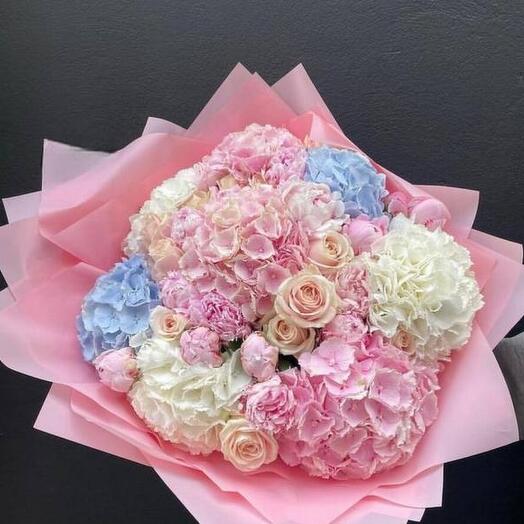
(330, 252)
(246, 447)
(148, 224)
(166, 324)
(289, 338)
(173, 192)
(307, 299)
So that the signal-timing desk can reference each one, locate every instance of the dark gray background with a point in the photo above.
(432, 90)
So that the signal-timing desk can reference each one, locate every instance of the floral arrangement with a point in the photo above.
(282, 328)
(277, 302)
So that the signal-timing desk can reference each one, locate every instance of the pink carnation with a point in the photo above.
(117, 369)
(270, 405)
(177, 293)
(352, 287)
(201, 345)
(259, 359)
(221, 315)
(358, 433)
(265, 151)
(348, 327)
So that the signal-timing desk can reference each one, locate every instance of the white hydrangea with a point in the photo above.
(164, 200)
(186, 405)
(422, 285)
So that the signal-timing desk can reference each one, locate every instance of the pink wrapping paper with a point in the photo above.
(47, 259)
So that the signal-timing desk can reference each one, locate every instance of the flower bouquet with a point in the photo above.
(252, 306)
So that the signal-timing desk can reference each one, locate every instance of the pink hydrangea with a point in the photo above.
(270, 153)
(351, 285)
(185, 223)
(363, 231)
(117, 369)
(201, 345)
(387, 404)
(243, 243)
(259, 359)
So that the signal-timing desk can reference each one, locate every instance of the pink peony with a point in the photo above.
(270, 405)
(351, 285)
(270, 153)
(363, 231)
(201, 345)
(313, 205)
(259, 359)
(397, 202)
(117, 369)
(429, 212)
(346, 326)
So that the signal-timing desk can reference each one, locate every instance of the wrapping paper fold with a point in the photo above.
(48, 261)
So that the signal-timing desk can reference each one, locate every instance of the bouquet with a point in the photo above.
(254, 307)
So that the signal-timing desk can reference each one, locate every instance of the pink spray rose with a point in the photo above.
(201, 345)
(259, 359)
(117, 369)
(363, 231)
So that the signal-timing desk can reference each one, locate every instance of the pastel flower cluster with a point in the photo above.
(352, 410)
(277, 302)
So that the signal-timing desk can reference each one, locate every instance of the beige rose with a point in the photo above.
(330, 252)
(307, 299)
(403, 340)
(166, 324)
(289, 338)
(246, 447)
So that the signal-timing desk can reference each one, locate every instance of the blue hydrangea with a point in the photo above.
(351, 175)
(117, 307)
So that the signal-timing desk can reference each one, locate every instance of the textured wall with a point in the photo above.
(432, 90)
